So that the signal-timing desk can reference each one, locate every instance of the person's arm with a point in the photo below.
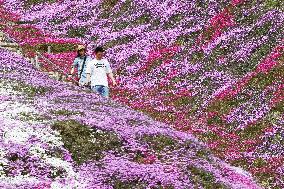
(110, 74)
(75, 63)
(88, 72)
(72, 70)
(88, 79)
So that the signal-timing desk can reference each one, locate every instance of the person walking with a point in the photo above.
(98, 71)
(80, 62)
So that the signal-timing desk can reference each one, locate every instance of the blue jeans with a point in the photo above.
(102, 90)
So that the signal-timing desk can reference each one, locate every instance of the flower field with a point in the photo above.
(210, 71)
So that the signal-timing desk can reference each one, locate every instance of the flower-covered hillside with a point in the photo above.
(54, 135)
(210, 68)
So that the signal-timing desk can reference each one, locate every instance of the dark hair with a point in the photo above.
(78, 54)
(99, 49)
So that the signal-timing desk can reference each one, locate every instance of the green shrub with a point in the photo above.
(85, 143)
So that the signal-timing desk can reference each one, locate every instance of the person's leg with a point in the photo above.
(105, 92)
(81, 84)
(82, 81)
(95, 89)
(102, 90)
(98, 89)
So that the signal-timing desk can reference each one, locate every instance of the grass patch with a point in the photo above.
(120, 25)
(196, 57)
(274, 4)
(55, 48)
(29, 3)
(215, 120)
(84, 143)
(143, 19)
(107, 5)
(173, 21)
(77, 32)
(119, 184)
(208, 136)
(252, 131)
(260, 81)
(204, 178)
(203, 154)
(160, 142)
(183, 101)
(279, 107)
(26, 89)
(137, 184)
(119, 41)
(221, 106)
(65, 112)
(26, 116)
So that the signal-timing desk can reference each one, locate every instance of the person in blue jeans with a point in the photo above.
(81, 62)
(98, 71)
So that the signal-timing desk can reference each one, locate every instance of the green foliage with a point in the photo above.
(119, 41)
(259, 162)
(143, 19)
(222, 106)
(95, 38)
(196, 57)
(204, 178)
(160, 142)
(209, 136)
(120, 25)
(77, 32)
(55, 47)
(184, 101)
(134, 184)
(260, 81)
(215, 120)
(25, 22)
(173, 21)
(29, 3)
(107, 6)
(65, 112)
(274, 4)
(119, 184)
(26, 89)
(262, 30)
(203, 154)
(252, 131)
(57, 21)
(84, 143)
(55, 172)
(124, 9)
(133, 59)
(279, 107)
(250, 18)
(26, 116)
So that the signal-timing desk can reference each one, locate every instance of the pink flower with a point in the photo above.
(237, 2)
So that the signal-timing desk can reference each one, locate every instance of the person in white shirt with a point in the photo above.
(98, 71)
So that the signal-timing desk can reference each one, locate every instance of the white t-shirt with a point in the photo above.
(99, 70)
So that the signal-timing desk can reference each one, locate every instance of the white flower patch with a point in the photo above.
(46, 135)
(13, 108)
(16, 135)
(3, 161)
(19, 132)
(18, 180)
(37, 150)
(7, 90)
(71, 175)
